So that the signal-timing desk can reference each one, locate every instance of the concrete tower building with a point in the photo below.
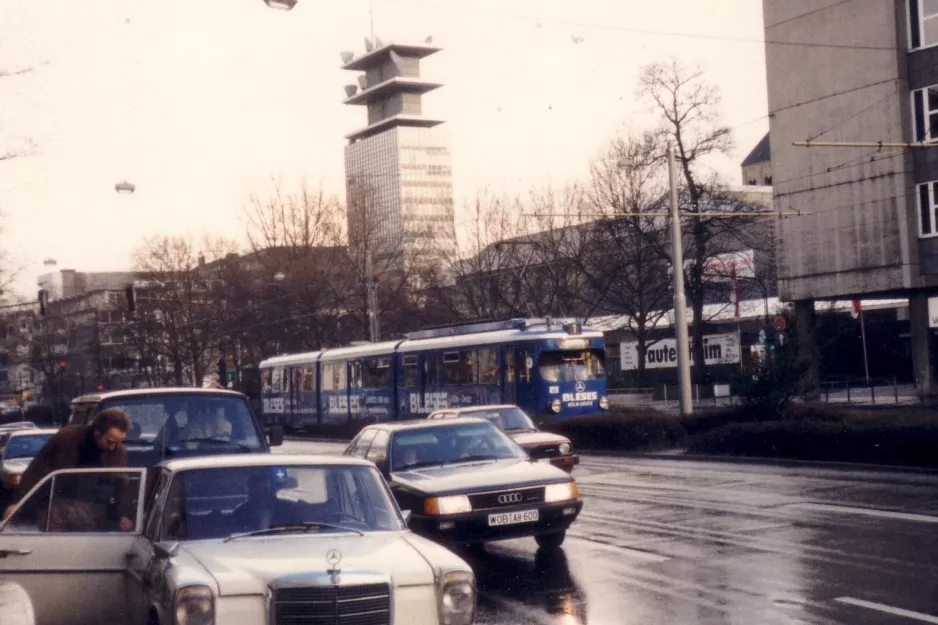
(398, 170)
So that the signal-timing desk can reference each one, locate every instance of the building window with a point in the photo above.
(925, 111)
(923, 23)
(928, 209)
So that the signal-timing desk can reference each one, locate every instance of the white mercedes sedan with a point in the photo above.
(267, 539)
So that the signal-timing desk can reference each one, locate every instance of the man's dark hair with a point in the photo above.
(111, 418)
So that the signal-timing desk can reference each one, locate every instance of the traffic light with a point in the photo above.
(222, 372)
(131, 298)
(42, 302)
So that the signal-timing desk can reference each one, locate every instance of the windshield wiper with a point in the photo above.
(220, 441)
(287, 528)
(520, 430)
(417, 465)
(474, 458)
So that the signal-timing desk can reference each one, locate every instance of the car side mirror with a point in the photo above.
(275, 435)
(406, 514)
(165, 551)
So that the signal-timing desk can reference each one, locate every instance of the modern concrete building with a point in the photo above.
(863, 71)
(398, 169)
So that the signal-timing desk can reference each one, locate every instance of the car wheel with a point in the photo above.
(550, 541)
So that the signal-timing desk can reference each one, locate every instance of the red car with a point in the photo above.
(513, 421)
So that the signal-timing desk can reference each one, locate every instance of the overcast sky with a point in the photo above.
(200, 103)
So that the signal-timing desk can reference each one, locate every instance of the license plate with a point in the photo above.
(513, 518)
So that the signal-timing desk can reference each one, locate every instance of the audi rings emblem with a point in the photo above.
(510, 498)
(580, 387)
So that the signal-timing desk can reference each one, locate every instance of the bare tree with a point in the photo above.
(688, 108)
(300, 281)
(177, 302)
(485, 277)
(626, 264)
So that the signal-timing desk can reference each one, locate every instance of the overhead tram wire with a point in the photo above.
(808, 13)
(853, 162)
(643, 31)
(894, 92)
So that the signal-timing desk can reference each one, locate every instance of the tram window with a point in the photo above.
(266, 380)
(376, 373)
(525, 366)
(460, 367)
(431, 370)
(508, 358)
(355, 374)
(410, 371)
(571, 366)
(297, 379)
(276, 385)
(333, 376)
(309, 379)
(488, 366)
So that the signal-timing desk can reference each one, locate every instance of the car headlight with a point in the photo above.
(555, 405)
(564, 448)
(604, 402)
(561, 492)
(453, 504)
(457, 598)
(195, 605)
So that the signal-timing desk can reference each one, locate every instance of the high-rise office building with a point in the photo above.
(398, 170)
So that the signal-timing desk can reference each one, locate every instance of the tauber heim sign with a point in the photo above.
(719, 349)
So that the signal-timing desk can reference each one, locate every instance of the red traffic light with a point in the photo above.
(63, 364)
(100, 387)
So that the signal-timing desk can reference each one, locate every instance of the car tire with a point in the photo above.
(551, 541)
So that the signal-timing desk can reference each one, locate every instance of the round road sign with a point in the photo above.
(779, 324)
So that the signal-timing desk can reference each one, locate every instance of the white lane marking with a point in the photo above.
(885, 514)
(636, 554)
(918, 616)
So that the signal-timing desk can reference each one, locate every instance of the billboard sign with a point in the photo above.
(719, 349)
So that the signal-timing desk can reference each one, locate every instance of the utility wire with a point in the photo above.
(855, 115)
(832, 95)
(846, 165)
(643, 31)
(803, 15)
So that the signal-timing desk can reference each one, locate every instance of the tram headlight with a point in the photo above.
(556, 405)
(604, 402)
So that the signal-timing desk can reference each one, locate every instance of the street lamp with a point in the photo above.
(281, 5)
(280, 276)
(125, 188)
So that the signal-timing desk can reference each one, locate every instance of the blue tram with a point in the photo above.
(548, 367)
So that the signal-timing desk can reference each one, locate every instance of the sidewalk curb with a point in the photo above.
(761, 460)
(685, 457)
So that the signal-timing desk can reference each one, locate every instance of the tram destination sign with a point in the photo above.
(719, 349)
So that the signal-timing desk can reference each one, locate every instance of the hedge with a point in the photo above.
(868, 440)
(623, 429)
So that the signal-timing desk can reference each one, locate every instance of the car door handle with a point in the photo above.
(6, 553)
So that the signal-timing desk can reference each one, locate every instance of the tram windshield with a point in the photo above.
(572, 365)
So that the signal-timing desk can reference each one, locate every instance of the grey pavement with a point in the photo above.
(691, 542)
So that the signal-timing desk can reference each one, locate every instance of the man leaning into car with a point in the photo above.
(77, 507)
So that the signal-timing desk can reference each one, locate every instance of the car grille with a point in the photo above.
(491, 500)
(365, 604)
(544, 451)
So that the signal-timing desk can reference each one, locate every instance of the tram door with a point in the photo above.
(526, 392)
(509, 376)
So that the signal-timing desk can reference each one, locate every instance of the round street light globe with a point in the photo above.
(279, 276)
(125, 187)
(283, 5)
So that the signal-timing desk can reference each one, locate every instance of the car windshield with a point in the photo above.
(189, 421)
(507, 419)
(451, 444)
(26, 446)
(224, 502)
(571, 366)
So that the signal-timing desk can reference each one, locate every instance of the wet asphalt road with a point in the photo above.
(684, 542)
